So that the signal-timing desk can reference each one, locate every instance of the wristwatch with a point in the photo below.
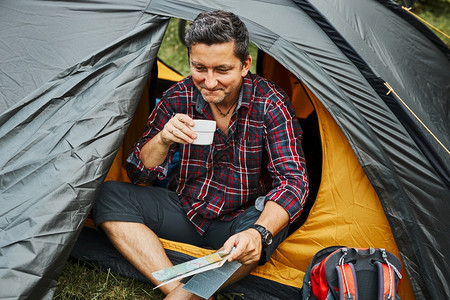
(266, 235)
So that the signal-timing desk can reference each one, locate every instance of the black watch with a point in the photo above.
(266, 235)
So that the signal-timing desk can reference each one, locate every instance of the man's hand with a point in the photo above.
(248, 243)
(178, 130)
(248, 247)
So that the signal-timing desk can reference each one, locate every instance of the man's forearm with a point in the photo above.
(154, 153)
(273, 217)
(177, 130)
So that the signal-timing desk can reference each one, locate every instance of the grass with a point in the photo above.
(79, 281)
(89, 282)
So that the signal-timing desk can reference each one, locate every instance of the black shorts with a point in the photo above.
(161, 211)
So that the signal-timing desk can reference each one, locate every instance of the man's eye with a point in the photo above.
(222, 70)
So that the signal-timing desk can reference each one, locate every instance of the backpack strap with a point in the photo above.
(316, 276)
(348, 287)
(387, 282)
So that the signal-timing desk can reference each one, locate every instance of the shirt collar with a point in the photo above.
(246, 91)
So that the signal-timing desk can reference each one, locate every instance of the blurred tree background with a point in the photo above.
(435, 12)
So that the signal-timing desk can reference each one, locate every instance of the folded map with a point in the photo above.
(189, 266)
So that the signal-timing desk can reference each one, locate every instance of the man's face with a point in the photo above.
(217, 72)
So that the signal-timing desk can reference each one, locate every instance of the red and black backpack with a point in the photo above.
(352, 273)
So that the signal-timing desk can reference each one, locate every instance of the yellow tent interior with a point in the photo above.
(346, 210)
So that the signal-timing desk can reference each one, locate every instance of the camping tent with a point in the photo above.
(72, 74)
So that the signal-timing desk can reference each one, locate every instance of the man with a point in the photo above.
(221, 199)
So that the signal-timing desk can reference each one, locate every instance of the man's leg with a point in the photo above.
(132, 216)
(121, 220)
(141, 247)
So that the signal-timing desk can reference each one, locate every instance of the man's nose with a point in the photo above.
(210, 80)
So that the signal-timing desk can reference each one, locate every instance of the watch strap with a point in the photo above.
(266, 235)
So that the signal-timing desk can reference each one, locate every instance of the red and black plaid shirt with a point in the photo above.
(223, 179)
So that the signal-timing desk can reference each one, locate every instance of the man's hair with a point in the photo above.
(215, 27)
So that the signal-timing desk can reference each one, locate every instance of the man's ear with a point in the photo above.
(246, 66)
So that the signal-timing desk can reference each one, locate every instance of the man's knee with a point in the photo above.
(108, 225)
(121, 229)
(110, 228)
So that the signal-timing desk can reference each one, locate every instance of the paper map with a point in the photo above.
(191, 267)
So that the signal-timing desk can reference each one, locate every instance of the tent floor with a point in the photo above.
(94, 248)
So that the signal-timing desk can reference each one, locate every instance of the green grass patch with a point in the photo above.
(79, 281)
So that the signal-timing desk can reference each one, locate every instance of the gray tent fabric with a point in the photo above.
(71, 74)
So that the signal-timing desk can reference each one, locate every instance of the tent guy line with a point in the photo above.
(415, 116)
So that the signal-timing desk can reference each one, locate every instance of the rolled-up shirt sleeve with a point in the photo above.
(286, 159)
(136, 170)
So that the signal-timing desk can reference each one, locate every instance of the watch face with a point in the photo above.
(269, 239)
(266, 235)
